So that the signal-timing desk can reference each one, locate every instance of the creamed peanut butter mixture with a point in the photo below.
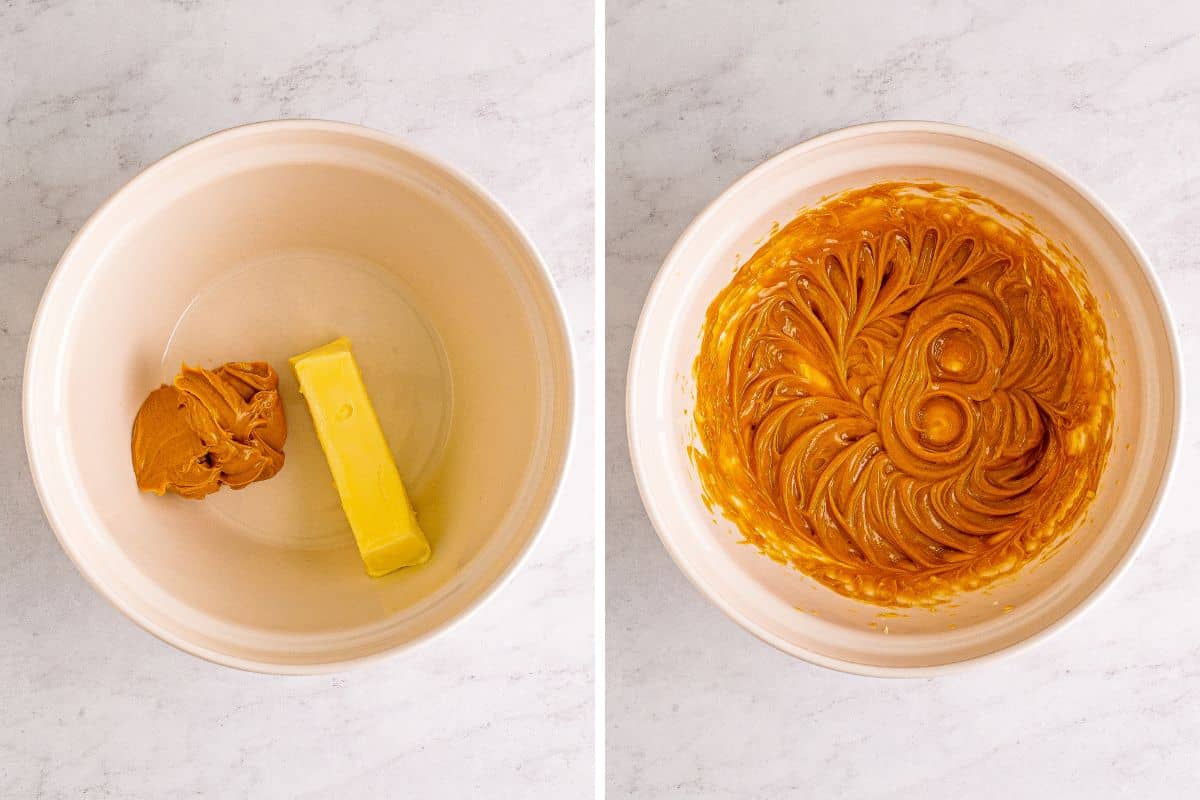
(905, 393)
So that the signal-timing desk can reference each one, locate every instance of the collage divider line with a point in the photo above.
(599, 401)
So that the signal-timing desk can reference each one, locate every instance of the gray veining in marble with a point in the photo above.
(90, 706)
(700, 92)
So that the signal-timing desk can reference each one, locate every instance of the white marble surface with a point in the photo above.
(90, 706)
(699, 93)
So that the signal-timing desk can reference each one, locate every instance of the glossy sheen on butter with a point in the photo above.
(364, 472)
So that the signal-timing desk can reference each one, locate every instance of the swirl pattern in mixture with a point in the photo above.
(905, 393)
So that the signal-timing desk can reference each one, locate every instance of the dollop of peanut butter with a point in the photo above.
(210, 428)
(905, 393)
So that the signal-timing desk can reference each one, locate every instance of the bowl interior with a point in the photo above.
(257, 244)
(785, 607)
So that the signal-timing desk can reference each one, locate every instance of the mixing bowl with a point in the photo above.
(258, 243)
(795, 613)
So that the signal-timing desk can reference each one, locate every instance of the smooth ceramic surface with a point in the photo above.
(780, 605)
(259, 243)
(697, 97)
(92, 705)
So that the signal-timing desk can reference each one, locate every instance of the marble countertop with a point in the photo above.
(697, 95)
(91, 706)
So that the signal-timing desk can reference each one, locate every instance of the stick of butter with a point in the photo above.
(364, 472)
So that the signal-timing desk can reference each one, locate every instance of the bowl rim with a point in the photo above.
(656, 295)
(557, 321)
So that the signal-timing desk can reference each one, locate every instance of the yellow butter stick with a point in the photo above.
(364, 472)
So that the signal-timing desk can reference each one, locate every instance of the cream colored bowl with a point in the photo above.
(258, 243)
(787, 609)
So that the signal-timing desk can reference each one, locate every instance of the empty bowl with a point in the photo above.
(258, 243)
(781, 605)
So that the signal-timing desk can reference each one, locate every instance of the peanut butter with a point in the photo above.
(905, 393)
(210, 428)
